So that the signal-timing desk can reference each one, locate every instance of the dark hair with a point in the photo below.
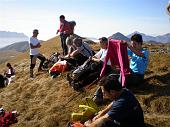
(103, 39)
(77, 42)
(137, 38)
(8, 65)
(62, 17)
(35, 30)
(111, 82)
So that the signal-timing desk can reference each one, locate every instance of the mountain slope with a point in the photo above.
(46, 102)
(19, 47)
(119, 36)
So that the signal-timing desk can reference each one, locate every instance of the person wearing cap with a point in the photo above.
(81, 48)
(123, 111)
(80, 53)
(34, 52)
(139, 59)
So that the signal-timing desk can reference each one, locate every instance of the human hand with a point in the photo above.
(87, 123)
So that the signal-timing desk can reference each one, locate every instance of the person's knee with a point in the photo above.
(32, 66)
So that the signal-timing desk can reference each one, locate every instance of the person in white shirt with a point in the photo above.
(34, 52)
(10, 71)
(100, 56)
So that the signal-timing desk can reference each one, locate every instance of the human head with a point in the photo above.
(103, 42)
(111, 86)
(35, 33)
(62, 18)
(8, 65)
(137, 38)
(77, 42)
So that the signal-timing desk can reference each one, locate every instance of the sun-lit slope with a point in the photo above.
(43, 101)
(46, 102)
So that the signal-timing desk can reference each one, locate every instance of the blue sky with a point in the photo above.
(94, 18)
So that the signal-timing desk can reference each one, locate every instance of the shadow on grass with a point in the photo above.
(157, 85)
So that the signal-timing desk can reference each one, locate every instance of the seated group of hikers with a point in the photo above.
(6, 78)
(111, 64)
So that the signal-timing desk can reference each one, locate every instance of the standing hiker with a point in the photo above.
(34, 52)
(66, 29)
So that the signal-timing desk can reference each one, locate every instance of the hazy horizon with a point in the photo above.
(93, 18)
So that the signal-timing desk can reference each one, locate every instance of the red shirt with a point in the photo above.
(65, 27)
(7, 119)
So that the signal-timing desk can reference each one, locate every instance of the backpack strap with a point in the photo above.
(87, 50)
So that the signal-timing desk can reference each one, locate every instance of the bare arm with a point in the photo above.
(103, 112)
(137, 52)
(36, 46)
(74, 53)
(97, 122)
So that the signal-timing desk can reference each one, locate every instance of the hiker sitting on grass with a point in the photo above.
(124, 111)
(100, 56)
(90, 70)
(10, 71)
(138, 60)
(80, 53)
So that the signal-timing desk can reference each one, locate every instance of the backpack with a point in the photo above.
(51, 61)
(84, 74)
(72, 25)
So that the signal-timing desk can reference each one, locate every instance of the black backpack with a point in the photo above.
(84, 74)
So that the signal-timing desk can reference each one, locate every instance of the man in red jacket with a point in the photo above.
(65, 31)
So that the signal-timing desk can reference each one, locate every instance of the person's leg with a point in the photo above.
(42, 58)
(134, 79)
(32, 65)
(63, 38)
(64, 44)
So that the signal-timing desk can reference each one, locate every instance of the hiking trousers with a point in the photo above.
(33, 60)
(63, 38)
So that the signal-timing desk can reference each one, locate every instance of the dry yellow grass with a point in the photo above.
(43, 102)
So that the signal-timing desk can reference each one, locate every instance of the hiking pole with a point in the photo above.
(94, 82)
(71, 99)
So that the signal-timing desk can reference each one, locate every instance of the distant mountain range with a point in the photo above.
(147, 38)
(22, 46)
(8, 34)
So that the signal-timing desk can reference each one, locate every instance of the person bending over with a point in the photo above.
(123, 111)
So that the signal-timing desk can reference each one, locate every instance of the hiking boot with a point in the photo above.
(31, 73)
